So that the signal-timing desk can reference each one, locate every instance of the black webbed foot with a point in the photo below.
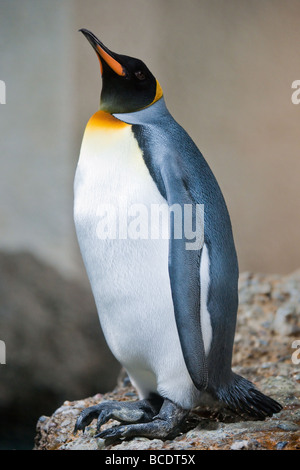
(125, 412)
(154, 418)
(165, 425)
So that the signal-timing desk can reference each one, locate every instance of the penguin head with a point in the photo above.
(127, 83)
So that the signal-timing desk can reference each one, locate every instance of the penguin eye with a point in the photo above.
(140, 75)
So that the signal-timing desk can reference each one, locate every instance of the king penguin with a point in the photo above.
(168, 312)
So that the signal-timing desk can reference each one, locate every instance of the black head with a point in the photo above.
(128, 85)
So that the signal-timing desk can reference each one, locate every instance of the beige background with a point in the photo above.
(226, 68)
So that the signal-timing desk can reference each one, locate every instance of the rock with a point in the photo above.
(205, 429)
(287, 319)
(281, 445)
(245, 445)
(217, 429)
(262, 354)
(58, 353)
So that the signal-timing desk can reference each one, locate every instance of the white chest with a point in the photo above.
(112, 185)
(126, 273)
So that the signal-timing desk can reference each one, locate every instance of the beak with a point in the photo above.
(104, 53)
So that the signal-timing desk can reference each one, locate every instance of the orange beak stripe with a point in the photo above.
(112, 63)
(101, 66)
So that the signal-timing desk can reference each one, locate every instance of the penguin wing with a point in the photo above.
(184, 271)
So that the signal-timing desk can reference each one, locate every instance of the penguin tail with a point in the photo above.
(242, 396)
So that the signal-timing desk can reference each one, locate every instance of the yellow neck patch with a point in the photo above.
(104, 120)
(158, 94)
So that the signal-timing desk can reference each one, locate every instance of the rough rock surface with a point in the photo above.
(267, 328)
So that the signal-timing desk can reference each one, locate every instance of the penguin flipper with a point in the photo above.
(184, 272)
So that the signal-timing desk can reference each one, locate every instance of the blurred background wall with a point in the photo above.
(226, 68)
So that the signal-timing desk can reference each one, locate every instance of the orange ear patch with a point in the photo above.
(159, 93)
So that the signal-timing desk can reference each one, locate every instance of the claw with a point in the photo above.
(102, 418)
(117, 432)
(85, 418)
(75, 430)
(78, 427)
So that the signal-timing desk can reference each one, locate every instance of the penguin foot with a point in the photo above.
(125, 412)
(165, 425)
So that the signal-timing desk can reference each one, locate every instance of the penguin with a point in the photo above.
(167, 309)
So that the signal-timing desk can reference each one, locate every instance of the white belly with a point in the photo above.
(129, 277)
